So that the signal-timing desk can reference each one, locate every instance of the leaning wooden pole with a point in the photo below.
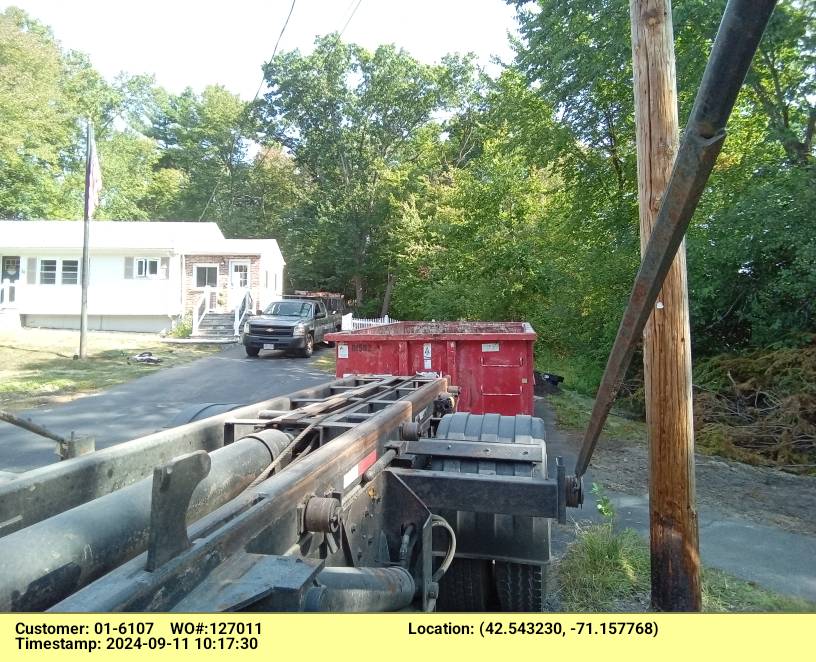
(666, 350)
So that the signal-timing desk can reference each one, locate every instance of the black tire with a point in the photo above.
(252, 351)
(467, 586)
(308, 350)
(518, 587)
(521, 587)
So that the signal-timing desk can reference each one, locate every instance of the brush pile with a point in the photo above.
(759, 408)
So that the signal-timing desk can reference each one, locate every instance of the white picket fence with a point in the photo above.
(351, 323)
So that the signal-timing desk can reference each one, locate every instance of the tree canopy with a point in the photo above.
(439, 192)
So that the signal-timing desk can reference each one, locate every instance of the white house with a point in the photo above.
(144, 275)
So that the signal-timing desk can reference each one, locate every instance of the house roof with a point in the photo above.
(180, 237)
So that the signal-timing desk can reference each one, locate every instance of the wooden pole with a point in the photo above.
(389, 288)
(86, 231)
(666, 350)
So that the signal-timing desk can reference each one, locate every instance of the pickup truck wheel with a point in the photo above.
(252, 351)
(308, 348)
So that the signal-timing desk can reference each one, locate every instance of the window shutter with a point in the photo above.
(128, 267)
(164, 267)
(31, 271)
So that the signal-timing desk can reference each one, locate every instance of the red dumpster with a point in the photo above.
(491, 362)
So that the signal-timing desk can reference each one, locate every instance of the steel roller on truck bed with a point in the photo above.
(360, 495)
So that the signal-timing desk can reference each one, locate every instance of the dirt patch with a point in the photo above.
(760, 494)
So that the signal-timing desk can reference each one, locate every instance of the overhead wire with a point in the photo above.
(275, 50)
(249, 106)
(354, 11)
(260, 87)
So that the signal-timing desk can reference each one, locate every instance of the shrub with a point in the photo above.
(183, 327)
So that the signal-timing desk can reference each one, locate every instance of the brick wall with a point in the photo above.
(223, 261)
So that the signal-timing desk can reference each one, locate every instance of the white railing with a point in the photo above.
(242, 311)
(8, 294)
(203, 305)
(351, 323)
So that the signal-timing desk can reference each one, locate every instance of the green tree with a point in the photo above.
(38, 126)
(783, 79)
(206, 138)
(349, 117)
(748, 244)
(46, 96)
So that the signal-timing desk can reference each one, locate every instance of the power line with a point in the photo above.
(260, 87)
(357, 6)
(275, 50)
(249, 105)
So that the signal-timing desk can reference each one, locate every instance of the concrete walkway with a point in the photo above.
(770, 556)
(158, 400)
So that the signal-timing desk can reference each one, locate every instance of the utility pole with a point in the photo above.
(666, 348)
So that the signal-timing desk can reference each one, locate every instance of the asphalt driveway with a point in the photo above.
(159, 400)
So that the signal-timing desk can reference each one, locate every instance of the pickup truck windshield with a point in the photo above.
(289, 309)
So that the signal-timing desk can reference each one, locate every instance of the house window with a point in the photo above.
(48, 272)
(147, 268)
(70, 272)
(206, 276)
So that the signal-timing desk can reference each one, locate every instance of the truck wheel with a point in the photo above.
(467, 586)
(521, 587)
(252, 351)
(518, 587)
(307, 350)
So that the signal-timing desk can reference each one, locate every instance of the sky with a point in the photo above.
(188, 43)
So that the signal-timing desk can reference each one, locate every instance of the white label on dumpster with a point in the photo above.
(342, 351)
(426, 355)
(490, 347)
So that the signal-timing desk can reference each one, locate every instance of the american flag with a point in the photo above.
(94, 174)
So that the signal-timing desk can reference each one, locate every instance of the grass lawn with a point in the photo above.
(326, 360)
(572, 410)
(37, 365)
(608, 571)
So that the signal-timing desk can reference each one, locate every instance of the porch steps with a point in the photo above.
(216, 325)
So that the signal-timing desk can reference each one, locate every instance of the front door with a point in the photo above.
(9, 271)
(239, 281)
(11, 268)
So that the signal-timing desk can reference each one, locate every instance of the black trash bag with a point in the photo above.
(546, 382)
(145, 357)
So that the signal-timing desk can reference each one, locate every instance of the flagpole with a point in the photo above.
(83, 316)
